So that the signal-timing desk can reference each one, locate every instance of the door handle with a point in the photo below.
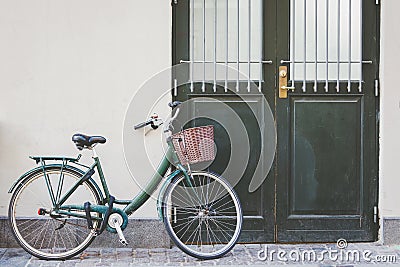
(288, 88)
(283, 88)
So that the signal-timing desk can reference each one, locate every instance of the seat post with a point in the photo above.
(94, 154)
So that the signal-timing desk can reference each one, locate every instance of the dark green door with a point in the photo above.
(327, 127)
(323, 182)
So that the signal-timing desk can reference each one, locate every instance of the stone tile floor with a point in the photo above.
(368, 254)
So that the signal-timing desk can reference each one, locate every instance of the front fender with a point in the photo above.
(161, 193)
(40, 169)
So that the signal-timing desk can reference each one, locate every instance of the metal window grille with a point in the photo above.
(227, 32)
(326, 43)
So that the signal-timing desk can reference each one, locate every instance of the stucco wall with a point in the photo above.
(73, 66)
(390, 110)
(69, 66)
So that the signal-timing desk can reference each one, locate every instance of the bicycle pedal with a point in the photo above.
(115, 221)
(124, 242)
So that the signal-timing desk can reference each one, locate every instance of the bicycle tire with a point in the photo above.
(184, 207)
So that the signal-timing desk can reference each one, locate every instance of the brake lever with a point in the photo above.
(156, 122)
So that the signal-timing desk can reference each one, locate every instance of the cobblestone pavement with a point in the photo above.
(254, 254)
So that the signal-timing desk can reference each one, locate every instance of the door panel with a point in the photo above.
(326, 153)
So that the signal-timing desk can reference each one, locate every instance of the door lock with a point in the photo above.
(283, 88)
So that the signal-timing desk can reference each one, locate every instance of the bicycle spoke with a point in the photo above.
(208, 186)
(190, 224)
(187, 193)
(216, 237)
(29, 226)
(225, 235)
(187, 205)
(27, 221)
(68, 234)
(193, 234)
(222, 231)
(209, 230)
(226, 208)
(181, 224)
(37, 237)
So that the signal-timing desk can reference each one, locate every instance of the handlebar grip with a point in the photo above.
(174, 104)
(141, 125)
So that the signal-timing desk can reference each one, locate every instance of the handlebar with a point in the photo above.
(142, 124)
(154, 120)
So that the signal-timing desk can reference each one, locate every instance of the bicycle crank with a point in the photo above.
(115, 221)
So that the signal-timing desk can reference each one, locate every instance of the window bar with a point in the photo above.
(349, 80)
(191, 45)
(238, 46)
(316, 46)
(308, 61)
(261, 45)
(305, 46)
(361, 41)
(226, 48)
(175, 87)
(292, 68)
(215, 46)
(263, 61)
(203, 87)
(327, 47)
(249, 42)
(338, 49)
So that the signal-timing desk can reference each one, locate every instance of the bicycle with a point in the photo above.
(200, 209)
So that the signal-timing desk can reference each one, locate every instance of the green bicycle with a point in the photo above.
(58, 209)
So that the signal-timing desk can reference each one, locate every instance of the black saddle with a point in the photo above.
(85, 141)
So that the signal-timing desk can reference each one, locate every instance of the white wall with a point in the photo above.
(73, 66)
(68, 66)
(390, 110)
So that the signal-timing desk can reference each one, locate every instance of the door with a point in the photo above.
(233, 101)
(322, 184)
(327, 127)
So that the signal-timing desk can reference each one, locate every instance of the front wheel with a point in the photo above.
(202, 215)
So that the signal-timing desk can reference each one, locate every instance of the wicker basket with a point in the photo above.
(195, 145)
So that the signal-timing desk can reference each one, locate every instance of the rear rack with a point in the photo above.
(64, 159)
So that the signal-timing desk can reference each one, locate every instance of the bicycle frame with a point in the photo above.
(131, 205)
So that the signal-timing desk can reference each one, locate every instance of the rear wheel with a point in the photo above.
(203, 217)
(38, 228)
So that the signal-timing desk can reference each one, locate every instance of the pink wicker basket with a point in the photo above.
(195, 145)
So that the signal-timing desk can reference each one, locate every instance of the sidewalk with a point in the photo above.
(252, 254)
